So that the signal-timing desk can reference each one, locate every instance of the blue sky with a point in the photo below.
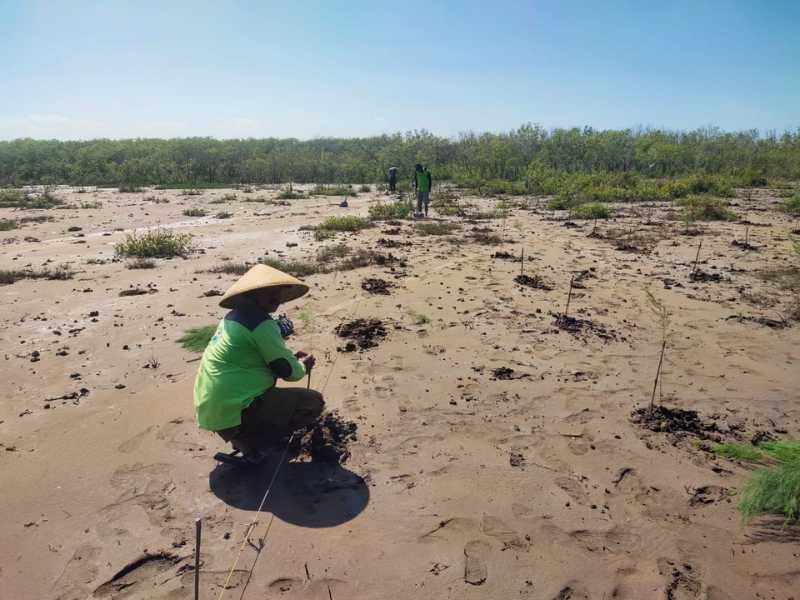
(77, 70)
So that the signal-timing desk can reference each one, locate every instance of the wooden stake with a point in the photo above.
(308, 385)
(658, 373)
(198, 529)
(569, 296)
(697, 257)
(522, 262)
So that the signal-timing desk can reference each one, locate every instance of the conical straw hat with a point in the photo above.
(259, 277)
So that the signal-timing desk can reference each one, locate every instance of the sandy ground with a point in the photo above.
(534, 483)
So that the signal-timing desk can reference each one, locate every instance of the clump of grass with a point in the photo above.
(327, 254)
(191, 192)
(129, 188)
(194, 212)
(156, 243)
(229, 197)
(345, 223)
(298, 268)
(157, 199)
(9, 276)
(593, 210)
(365, 188)
(91, 205)
(36, 219)
(323, 234)
(774, 489)
(142, 263)
(288, 193)
(197, 338)
(230, 268)
(223, 214)
(443, 228)
(8, 224)
(706, 208)
(792, 205)
(386, 212)
(332, 190)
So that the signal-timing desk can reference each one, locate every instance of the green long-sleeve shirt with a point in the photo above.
(243, 359)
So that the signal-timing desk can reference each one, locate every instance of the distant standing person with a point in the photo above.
(392, 179)
(423, 183)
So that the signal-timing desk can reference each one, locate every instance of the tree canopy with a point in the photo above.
(505, 156)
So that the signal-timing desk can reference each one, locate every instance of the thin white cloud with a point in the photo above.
(51, 126)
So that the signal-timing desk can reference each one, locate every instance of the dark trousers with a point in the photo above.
(273, 416)
(392, 185)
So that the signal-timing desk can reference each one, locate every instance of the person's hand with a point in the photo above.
(309, 362)
(300, 355)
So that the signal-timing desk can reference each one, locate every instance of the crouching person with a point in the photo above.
(235, 392)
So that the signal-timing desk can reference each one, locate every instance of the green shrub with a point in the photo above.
(197, 338)
(332, 190)
(298, 268)
(365, 188)
(59, 273)
(593, 210)
(16, 199)
(440, 228)
(345, 223)
(327, 254)
(706, 208)
(288, 194)
(8, 224)
(323, 234)
(90, 205)
(230, 268)
(155, 243)
(223, 214)
(792, 205)
(389, 211)
(192, 192)
(129, 188)
(194, 212)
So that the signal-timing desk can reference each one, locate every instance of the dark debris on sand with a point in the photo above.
(674, 420)
(376, 286)
(364, 333)
(534, 282)
(584, 328)
(325, 440)
(700, 275)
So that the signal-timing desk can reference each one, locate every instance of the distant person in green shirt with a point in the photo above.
(423, 183)
(235, 393)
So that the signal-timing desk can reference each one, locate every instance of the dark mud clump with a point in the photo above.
(504, 256)
(325, 440)
(506, 374)
(534, 282)
(745, 245)
(392, 231)
(363, 333)
(388, 259)
(706, 277)
(376, 286)
(584, 328)
(674, 420)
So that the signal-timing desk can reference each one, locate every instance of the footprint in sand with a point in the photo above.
(476, 553)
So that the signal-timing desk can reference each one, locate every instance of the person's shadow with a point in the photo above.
(323, 494)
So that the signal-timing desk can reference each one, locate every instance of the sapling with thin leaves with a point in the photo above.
(662, 317)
